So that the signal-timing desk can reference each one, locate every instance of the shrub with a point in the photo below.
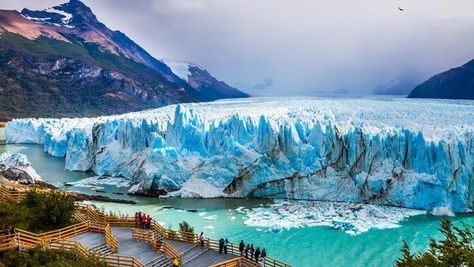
(186, 228)
(53, 209)
(38, 211)
(46, 257)
(456, 249)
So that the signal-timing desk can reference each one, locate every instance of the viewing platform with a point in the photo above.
(117, 241)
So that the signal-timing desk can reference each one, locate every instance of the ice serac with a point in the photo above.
(400, 152)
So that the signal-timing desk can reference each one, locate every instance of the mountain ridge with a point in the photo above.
(63, 62)
(455, 83)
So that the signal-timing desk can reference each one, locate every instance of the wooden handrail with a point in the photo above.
(110, 239)
(171, 252)
(144, 235)
(236, 262)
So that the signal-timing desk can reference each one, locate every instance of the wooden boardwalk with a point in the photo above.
(192, 255)
(118, 243)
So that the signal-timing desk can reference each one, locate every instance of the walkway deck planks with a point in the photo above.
(130, 247)
(90, 239)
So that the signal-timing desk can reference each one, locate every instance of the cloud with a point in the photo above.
(310, 46)
(266, 83)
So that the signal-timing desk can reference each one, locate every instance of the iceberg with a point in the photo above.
(408, 153)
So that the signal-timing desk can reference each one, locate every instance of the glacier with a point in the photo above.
(409, 153)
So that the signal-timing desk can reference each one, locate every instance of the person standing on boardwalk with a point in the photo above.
(221, 245)
(148, 221)
(140, 218)
(257, 254)
(252, 250)
(136, 219)
(264, 255)
(226, 243)
(247, 248)
(201, 239)
(241, 248)
(143, 221)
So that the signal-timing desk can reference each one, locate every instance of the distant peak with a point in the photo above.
(71, 14)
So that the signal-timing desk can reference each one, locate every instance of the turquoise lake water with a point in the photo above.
(307, 246)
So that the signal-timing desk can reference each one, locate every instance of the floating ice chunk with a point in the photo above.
(210, 218)
(95, 181)
(210, 227)
(348, 217)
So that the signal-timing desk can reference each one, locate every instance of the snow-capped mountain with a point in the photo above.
(400, 152)
(62, 61)
(208, 87)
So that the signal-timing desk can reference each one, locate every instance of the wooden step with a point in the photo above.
(102, 249)
(160, 261)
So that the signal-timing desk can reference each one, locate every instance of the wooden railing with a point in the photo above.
(28, 239)
(110, 239)
(110, 259)
(8, 242)
(171, 252)
(94, 215)
(13, 194)
(236, 262)
(147, 236)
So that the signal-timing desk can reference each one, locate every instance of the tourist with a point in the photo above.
(140, 218)
(175, 262)
(201, 239)
(252, 250)
(226, 243)
(221, 245)
(136, 219)
(241, 247)
(263, 256)
(257, 254)
(247, 248)
(143, 221)
(148, 221)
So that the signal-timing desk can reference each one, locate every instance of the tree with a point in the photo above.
(186, 228)
(53, 209)
(455, 249)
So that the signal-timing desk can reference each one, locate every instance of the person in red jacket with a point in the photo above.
(136, 219)
(148, 221)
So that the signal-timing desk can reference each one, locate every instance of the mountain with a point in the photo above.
(62, 62)
(208, 87)
(399, 86)
(456, 83)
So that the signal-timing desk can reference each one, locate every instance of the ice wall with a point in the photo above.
(408, 153)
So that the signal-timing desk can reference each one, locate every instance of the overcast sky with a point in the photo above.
(276, 47)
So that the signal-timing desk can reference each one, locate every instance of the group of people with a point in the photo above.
(144, 221)
(255, 254)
